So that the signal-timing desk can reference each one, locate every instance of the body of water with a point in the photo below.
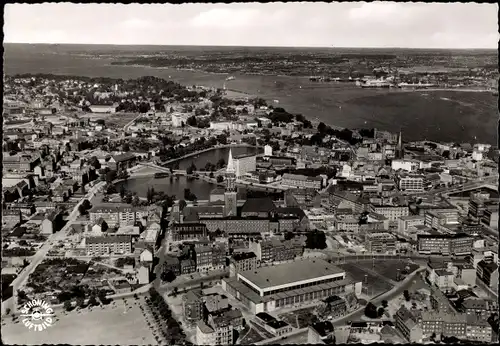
(176, 185)
(213, 156)
(456, 116)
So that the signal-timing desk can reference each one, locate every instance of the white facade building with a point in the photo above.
(244, 164)
(179, 118)
(268, 150)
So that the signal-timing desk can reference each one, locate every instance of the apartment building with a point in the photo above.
(446, 244)
(407, 324)
(110, 244)
(192, 303)
(244, 164)
(411, 183)
(117, 216)
(405, 222)
(380, 242)
(301, 181)
(478, 329)
(392, 213)
(487, 272)
(204, 258)
(446, 324)
(275, 250)
(188, 231)
(20, 162)
(483, 308)
(241, 262)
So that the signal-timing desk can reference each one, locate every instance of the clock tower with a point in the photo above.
(230, 195)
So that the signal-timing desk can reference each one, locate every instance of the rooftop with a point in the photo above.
(291, 272)
(323, 328)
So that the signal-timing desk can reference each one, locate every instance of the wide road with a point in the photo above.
(21, 279)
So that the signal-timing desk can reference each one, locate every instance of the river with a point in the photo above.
(176, 185)
(456, 116)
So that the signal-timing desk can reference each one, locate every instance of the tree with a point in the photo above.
(191, 168)
(95, 162)
(385, 303)
(136, 201)
(182, 204)
(221, 163)
(93, 301)
(80, 301)
(110, 176)
(316, 240)
(168, 276)
(380, 312)
(211, 175)
(67, 305)
(81, 209)
(104, 226)
(406, 295)
(289, 235)
(122, 191)
(322, 128)
(371, 310)
(220, 178)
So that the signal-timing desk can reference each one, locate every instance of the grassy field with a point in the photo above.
(108, 326)
(375, 285)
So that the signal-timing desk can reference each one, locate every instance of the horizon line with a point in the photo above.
(243, 46)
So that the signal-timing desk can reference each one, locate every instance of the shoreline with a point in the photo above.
(287, 76)
(325, 109)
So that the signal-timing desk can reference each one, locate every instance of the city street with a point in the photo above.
(21, 279)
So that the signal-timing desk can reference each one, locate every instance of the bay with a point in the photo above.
(457, 116)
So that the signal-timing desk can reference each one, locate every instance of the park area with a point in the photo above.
(115, 324)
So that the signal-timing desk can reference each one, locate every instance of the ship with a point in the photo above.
(375, 84)
(161, 175)
(415, 85)
(231, 78)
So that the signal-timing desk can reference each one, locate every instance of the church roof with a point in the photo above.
(230, 163)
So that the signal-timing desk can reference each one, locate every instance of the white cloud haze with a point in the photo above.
(377, 24)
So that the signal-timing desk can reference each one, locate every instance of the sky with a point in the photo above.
(352, 24)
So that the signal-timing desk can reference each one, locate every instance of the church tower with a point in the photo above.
(230, 195)
(399, 148)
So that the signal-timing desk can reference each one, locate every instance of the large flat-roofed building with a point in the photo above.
(411, 183)
(446, 244)
(301, 181)
(244, 163)
(275, 287)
